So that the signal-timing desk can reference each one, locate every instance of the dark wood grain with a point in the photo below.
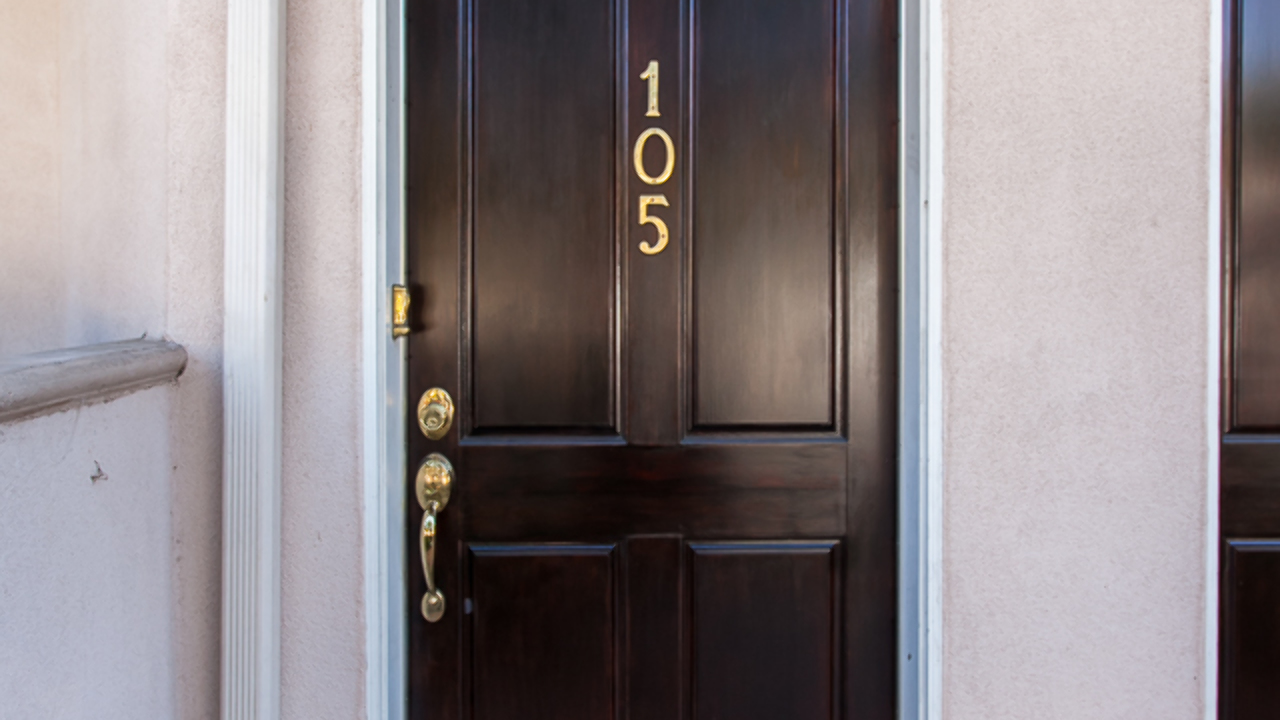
(763, 235)
(434, 225)
(1251, 641)
(866, 372)
(763, 630)
(1249, 626)
(543, 178)
(655, 659)
(544, 632)
(1257, 359)
(654, 282)
(1250, 481)
(604, 492)
(738, 388)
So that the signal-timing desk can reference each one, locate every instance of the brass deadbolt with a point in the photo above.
(435, 413)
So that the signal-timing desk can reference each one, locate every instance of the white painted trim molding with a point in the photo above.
(383, 363)
(920, 436)
(1213, 381)
(251, 374)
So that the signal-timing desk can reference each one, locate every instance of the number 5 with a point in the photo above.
(647, 219)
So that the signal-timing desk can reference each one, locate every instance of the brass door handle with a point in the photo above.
(435, 413)
(434, 482)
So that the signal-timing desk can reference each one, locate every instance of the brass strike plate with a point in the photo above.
(399, 311)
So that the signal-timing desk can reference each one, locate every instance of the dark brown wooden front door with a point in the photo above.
(1249, 686)
(675, 461)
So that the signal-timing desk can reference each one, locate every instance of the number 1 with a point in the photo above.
(651, 74)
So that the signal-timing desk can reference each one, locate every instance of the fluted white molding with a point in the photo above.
(920, 611)
(382, 252)
(254, 206)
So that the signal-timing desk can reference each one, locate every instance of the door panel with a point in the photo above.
(674, 490)
(1251, 641)
(763, 630)
(1249, 628)
(543, 619)
(764, 262)
(543, 183)
(1257, 352)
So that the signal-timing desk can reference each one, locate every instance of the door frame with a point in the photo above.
(920, 63)
(919, 659)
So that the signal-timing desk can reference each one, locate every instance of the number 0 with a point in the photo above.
(637, 156)
(647, 219)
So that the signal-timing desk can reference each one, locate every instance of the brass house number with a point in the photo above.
(650, 75)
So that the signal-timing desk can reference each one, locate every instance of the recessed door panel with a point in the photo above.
(1251, 641)
(543, 624)
(543, 183)
(1257, 355)
(763, 212)
(763, 630)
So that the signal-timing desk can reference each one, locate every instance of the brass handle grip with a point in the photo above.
(433, 600)
(433, 485)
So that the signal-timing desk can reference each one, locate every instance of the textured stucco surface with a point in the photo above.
(111, 174)
(85, 630)
(322, 638)
(30, 274)
(196, 62)
(1075, 358)
(82, 112)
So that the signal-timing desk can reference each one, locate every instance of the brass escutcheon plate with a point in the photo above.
(435, 413)
(434, 482)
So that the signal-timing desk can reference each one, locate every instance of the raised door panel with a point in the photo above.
(764, 216)
(542, 619)
(1251, 642)
(764, 630)
(1257, 266)
(542, 297)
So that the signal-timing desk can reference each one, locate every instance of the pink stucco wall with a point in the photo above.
(111, 175)
(322, 638)
(86, 619)
(1076, 351)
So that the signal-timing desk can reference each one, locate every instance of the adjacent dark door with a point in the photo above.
(652, 246)
(1249, 687)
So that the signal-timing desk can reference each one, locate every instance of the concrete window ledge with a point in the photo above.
(46, 382)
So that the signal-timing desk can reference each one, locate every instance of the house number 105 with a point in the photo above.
(650, 74)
